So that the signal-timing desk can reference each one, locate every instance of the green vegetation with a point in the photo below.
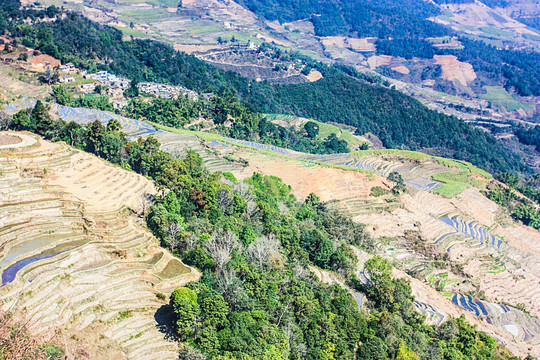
(145, 15)
(398, 120)
(498, 96)
(421, 156)
(520, 198)
(519, 70)
(173, 269)
(16, 342)
(528, 135)
(131, 32)
(325, 130)
(375, 109)
(232, 118)
(490, 30)
(229, 176)
(380, 18)
(406, 48)
(63, 97)
(399, 186)
(254, 242)
(378, 191)
(455, 183)
(125, 314)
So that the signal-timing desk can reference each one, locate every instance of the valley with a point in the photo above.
(206, 28)
(262, 180)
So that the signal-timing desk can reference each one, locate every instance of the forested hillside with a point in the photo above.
(342, 96)
(396, 118)
(402, 28)
(254, 243)
(380, 18)
(517, 70)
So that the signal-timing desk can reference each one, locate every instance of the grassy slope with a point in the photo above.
(452, 183)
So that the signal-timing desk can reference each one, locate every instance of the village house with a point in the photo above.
(68, 68)
(166, 91)
(66, 79)
(114, 91)
(119, 103)
(88, 87)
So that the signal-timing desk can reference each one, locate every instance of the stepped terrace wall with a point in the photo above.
(75, 257)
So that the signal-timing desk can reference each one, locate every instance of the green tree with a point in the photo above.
(96, 132)
(74, 134)
(214, 309)
(207, 340)
(509, 178)
(171, 203)
(398, 180)
(21, 121)
(186, 309)
(61, 95)
(23, 56)
(312, 129)
(378, 270)
(40, 116)
(52, 11)
(373, 349)
(404, 353)
(114, 125)
(112, 145)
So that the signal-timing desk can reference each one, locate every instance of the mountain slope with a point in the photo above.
(75, 258)
(489, 268)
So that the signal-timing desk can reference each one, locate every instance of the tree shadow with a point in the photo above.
(164, 317)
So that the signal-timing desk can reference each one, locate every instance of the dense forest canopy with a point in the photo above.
(379, 18)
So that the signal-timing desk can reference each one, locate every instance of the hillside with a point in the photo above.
(447, 72)
(345, 32)
(76, 259)
(461, 248)
(269, 179)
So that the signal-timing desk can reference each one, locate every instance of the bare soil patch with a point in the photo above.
(314, 75)
(362, 44)
(379, 60)
(402, 69)
(6, 139)
(453, 69)
(327, 182)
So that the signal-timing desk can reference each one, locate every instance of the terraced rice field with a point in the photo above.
(133, 128)
(74, 257)
(259, 146)
(379, 166)
(213, 152)
(516, 322)
(174, 142)
(470, 229)
(375, 164)
(502, 260)
(432, 315)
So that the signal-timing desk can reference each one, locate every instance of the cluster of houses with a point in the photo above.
(114, 85)
(111, 85)
(166, 91)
